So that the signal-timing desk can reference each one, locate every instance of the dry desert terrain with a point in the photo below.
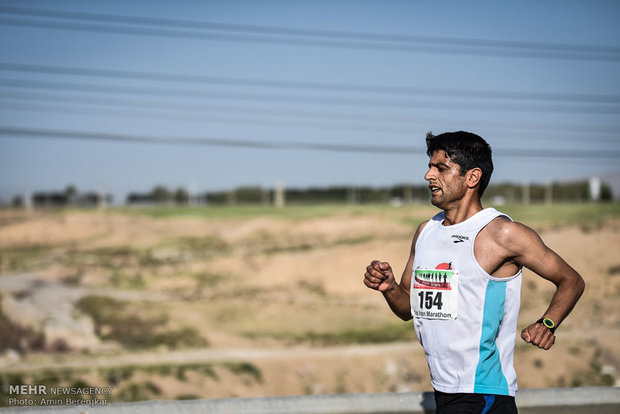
(212, 303)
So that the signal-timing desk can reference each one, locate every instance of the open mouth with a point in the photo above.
(434, 189)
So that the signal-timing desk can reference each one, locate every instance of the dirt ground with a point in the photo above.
(278, 304)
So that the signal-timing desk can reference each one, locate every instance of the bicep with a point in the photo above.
(531, 252)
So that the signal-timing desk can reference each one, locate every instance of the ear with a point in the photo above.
(473, 177)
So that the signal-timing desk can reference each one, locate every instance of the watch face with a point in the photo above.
(548, 323)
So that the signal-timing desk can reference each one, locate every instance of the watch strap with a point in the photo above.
(548, 323)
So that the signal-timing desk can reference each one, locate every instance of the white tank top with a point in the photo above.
(465, 319)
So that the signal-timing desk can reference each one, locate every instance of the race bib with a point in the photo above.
(435, 293)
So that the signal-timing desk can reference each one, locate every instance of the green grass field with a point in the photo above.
(534, 214)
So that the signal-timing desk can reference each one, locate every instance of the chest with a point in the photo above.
(469, 252)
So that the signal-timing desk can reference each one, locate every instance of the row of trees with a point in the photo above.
(70, 196)
(507, 192)
(162, 195)
(578, 191)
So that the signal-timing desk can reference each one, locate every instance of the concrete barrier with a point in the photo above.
(598, 400)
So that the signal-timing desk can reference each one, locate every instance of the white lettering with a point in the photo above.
(17, 401)
(27, 389)
(74, 391)
(50, 401)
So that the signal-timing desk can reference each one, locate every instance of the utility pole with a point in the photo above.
(525, 192)
(408, 190)
(264, 196)
(549, 192)
(351, 195)
(232, 197)
(279, 197)
(101, 202)
(594, 185)
(192, 193)
(28, 200)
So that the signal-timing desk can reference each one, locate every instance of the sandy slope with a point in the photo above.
(280, 279)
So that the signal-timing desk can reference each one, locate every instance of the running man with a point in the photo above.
(467, 325)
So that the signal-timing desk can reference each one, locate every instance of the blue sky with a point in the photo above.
(370, 93)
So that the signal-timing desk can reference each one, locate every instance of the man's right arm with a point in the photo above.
(379, 276)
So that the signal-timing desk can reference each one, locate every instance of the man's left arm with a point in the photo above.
(528, 250)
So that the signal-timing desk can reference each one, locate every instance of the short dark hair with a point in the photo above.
(467, 150)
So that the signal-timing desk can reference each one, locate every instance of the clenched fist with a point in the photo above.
(379, 276)
(538, 335)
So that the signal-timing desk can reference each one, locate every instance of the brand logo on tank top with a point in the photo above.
(459, 239)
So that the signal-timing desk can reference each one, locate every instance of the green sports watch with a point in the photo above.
(547, 323)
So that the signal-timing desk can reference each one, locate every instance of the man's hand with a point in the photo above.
(379, 276)
(539, 335)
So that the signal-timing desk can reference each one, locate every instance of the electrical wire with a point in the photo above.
(177, 78)
(245, 120)
(545, 153)
(312, 86)
(203, 117)
(174, 28)
(352, 101)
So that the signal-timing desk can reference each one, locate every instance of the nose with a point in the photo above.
(429, 174)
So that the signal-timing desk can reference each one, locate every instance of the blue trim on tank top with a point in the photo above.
(489, 370)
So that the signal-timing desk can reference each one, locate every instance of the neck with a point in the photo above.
(461, 211)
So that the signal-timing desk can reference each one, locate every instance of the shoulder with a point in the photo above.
(421, 226)
(511, 235)
(419, 230)
(417, 234)
(502, 226)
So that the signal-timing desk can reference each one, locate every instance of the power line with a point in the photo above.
(253, 111)
(178, 23)
(55, 134)
(263, 144)
(345, 101)
(201, 117)
(174, 28)
(313, 86)
(241, 120)
(171, 77)
(273, 98)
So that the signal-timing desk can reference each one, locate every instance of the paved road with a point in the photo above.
(207, 355)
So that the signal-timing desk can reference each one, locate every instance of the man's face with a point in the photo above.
(445, 181)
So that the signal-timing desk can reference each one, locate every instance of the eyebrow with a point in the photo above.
(437, 164)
